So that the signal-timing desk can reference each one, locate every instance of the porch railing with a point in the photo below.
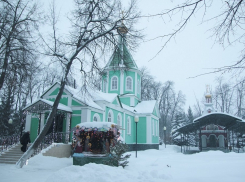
(7, 142)
(59, 137)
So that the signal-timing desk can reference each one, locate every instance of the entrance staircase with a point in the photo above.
(12, 155)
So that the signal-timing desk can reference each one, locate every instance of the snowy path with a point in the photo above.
(150, 166)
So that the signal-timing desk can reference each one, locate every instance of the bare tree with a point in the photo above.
(94, 25)
(197, 108)
(228, 19)
(223, 96)
(240, 92)
(17, 21)
(169, 104)
(150, 89)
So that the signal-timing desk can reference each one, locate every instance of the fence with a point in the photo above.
(7, 142)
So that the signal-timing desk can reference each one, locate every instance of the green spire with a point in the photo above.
(121, 57)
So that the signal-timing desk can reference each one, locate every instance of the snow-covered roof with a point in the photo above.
(227, 120)
(215, 113)
(104, 125)
(60, 106)
(83, 97)
(144, 107)
(90, 96)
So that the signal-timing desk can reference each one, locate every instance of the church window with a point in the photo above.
(114, 83)
(96, 117)
(110, 116)
(138, 86)
(128, 126)
(129, 83)
(119, 120)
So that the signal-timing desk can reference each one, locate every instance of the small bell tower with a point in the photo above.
(121, 74)
(208, 101)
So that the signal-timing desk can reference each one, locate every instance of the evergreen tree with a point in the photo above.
(116, 154)
(178, 122)
(191, 136)
(190, 116)
(6, 110)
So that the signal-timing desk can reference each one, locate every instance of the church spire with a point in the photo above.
(121, 57)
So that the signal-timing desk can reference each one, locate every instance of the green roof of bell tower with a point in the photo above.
(121, 56)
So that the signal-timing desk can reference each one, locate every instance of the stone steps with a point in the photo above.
(12, 155)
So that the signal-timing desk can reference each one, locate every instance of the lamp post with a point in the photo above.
(164, 129)
(136, 120)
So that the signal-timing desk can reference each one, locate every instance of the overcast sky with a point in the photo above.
(191, 53)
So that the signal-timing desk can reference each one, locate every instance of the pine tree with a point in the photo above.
(191, 136)
(6, 110)
(116, 157)
(178, 122)
(190, 116)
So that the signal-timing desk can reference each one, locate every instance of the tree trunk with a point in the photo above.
(40, 137)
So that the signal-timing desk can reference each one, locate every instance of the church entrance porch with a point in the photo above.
(213, 141)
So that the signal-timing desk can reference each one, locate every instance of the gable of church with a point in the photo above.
(76, 103)
(115, 102)
(63, 100)
(56, 91)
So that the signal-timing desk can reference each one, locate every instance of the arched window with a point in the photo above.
(96, 117)
(128, 126)
(129, 83)
(110, 116)
(119, 120)
(114, 83)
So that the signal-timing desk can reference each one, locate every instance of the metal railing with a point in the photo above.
(7, 142)
(59, 137)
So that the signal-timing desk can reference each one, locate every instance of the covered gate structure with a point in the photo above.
(35, 117)
(215, 131)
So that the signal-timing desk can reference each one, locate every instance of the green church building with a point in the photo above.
(119, 102)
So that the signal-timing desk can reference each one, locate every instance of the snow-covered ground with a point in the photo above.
(166, 164)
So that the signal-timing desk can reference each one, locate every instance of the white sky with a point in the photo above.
(191, 53)
(166, 164)
(188, 55)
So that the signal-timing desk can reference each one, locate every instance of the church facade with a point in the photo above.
(119, 101)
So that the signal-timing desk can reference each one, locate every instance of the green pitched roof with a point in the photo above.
(121, 54)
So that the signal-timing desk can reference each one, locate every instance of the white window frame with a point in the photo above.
(111, 118)
(120, 118)
(131, 83)
(153, 127)
(129, 125)
(112, 85)
(97, 116)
